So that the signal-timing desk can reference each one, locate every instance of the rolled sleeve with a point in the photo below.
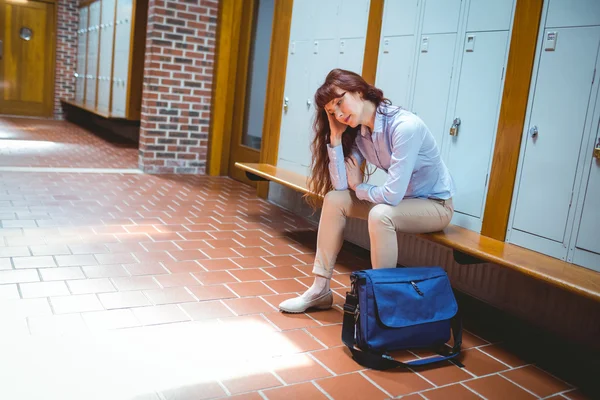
(337, 167)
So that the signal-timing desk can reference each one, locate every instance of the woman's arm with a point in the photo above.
(406, 142)
(337, 166)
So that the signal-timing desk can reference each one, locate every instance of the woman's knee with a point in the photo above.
(337, 199)
(379, 216)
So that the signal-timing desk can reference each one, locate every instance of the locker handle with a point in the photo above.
(286, 103)
(454, 127)
(597, 151)
(533, 132)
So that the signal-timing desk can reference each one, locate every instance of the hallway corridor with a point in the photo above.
(121, 285)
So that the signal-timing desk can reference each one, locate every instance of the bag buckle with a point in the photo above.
(350, 308)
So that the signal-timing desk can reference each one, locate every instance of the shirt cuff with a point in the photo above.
(335, 153)
(362, 191)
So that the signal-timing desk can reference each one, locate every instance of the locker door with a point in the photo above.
(81, 55)
(351, 54)
(589, 228)
(477, 106)
(394, 68)
(561, 97)
(486, 15)
(106, 48)
(295, 121)
(566, 13)
(353, 17)
(432, 86)
(324, 22)
(92, 58)
(399, 17)
(441, 16)
(121, 58)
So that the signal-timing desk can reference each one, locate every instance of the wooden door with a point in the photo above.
(250, 87)
(26, 57)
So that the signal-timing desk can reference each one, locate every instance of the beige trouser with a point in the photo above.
(410, 216)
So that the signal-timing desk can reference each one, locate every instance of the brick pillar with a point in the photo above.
(66, 53)
(178, 78)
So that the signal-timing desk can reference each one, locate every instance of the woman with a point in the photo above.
(354, 122)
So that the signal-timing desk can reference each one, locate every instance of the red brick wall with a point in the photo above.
(178, 78)
(66, 53)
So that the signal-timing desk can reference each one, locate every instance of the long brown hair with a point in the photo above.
(319, 181)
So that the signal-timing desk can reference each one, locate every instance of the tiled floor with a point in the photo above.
(166, 287)
(26, 142)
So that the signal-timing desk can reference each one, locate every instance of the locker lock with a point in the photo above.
(454, 127)
(286, 103)
(533, 132)
(597, 150)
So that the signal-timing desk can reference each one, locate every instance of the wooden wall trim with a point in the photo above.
(369, 70)
(280, 39)
(512, 118)
(225, 67)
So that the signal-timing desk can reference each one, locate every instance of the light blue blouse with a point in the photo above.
(402, 145)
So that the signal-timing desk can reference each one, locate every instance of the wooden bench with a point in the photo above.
(468, 246)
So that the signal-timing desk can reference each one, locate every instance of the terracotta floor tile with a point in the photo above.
(159, 246)
(452, 392)
(246, 275)
(300, 340)
(536, 381)
(61, 273)
(169, 295)
(469, 340)
(51, 325)
(328, 317)
(286, 273)
(34, 262)
(201, 391)
(15, 251)
(5, 264)
(145, 269)
(206, 310)
(479, 363)
(281, 250)
(286, 286)
(299, 368)
(177, 280)
(443, 373)
(150, 256)
(283, 261)
(500, 353)
(9, 292)
(86, 286)
(183, 266)
(16, 276)
(195, 236)
(191, 244)
(251, 262)
(250, 241)
(276, 299)
(159, 314)
(46, 250)
(496, 387)
(219, 264)
(123, 299)
(251, 382)
(113, 319)
(75, 304)
(24, 308)
(399, 381)
(251, 251)
(135, 283)
(299, 391)
(213, 292)
(244, 289)
(115, 258)
(220, 253)
(249, 305)
(44, 289)
(338, 359)
(104, 271)
(214, 277)
(80, 249)
(330, 335)
(351, 387)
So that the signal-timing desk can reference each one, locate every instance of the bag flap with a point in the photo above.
(410, 299)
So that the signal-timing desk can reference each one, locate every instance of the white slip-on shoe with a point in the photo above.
(300, 304)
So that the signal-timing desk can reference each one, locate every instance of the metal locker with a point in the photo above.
(302, 12)
(400, 17)
(105, 61)
(351, 53)
(296, 116)
(432, 86)
(394, 68)
(92, 58)
(486, 15)
(323, 22)
(569, 13)
(555, 131)
(121, 58)
(441, 16)
(353, 17)
(81, 55)
(476, 110)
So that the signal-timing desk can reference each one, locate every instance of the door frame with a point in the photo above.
(51, 62)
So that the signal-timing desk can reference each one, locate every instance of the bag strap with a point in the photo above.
(383, 361)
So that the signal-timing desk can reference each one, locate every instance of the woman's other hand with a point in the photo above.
(337, 129)
(354, 173)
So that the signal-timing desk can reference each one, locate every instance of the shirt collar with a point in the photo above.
(378, 126)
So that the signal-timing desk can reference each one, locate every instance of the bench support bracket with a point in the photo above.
(466, 259)
(254, 177)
